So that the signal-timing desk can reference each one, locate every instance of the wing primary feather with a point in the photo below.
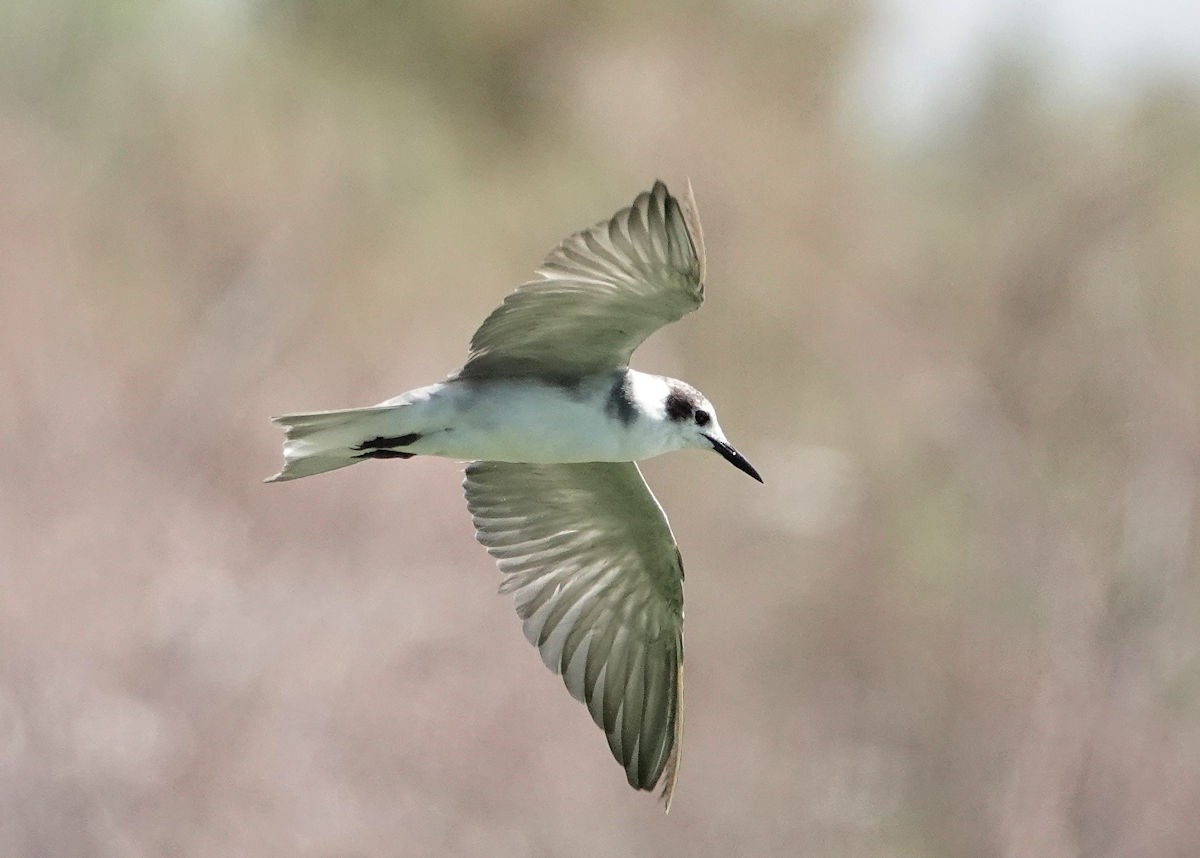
(655, 738)
(593, 676)
(658, 231)
(633, 702)
(671, 771)
(575, 664)
(695, 234)
(615, 677)
(562, 617)
(587, 619)
(615, 736)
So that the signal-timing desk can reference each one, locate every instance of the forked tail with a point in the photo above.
(328, 440)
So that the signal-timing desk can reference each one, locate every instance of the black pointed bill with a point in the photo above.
(733, 457)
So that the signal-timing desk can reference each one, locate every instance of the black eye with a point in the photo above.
(702, 417)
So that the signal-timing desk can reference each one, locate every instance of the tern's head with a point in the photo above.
(692, 419)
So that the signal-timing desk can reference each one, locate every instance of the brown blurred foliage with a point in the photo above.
(961, 618)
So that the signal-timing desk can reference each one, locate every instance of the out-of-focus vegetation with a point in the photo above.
(962, 617)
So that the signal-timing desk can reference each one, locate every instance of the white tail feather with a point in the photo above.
(326, 440)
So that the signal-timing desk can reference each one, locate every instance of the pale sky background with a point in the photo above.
(925, 54)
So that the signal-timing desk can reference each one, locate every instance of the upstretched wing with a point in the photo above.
(588, 554)
(599, 294)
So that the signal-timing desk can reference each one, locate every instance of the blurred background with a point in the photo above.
(953, 317)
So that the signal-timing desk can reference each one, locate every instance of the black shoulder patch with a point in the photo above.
(620, 401)
(679, 405)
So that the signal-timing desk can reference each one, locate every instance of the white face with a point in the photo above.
(696, 421)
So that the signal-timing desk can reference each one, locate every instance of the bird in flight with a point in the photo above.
(552, 422)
